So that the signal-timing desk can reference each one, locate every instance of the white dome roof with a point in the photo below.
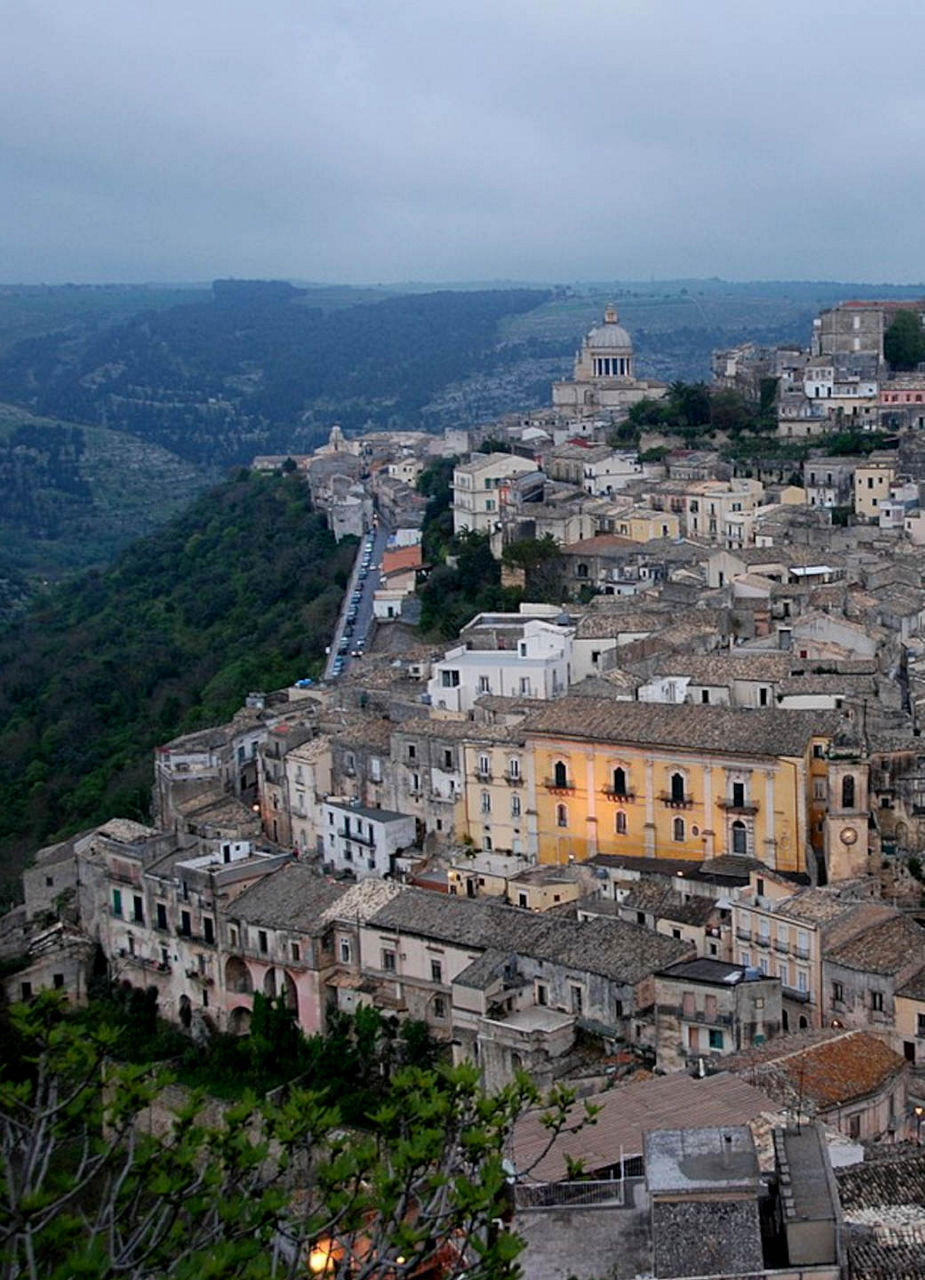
(609, 336)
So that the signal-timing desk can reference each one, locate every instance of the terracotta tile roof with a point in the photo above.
(823, 1068)
(914, 989)
(628, 1111)
(886, 948)
(615, 949)
(744, 732)
(402, 558)
(295, 897)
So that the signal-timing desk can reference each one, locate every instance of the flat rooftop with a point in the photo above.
(701, 1160)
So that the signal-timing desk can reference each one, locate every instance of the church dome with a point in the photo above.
(609, 336)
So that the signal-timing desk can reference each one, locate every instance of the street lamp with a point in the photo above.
(919, 1113)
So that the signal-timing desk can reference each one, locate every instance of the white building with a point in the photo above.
(539, 667)
(604, 382)
(364, 840)
(479, 489)
(608, 475)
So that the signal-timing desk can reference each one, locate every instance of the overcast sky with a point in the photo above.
(389, 140)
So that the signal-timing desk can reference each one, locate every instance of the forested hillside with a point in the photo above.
(240, 592)
(74, 496)
(256, 369)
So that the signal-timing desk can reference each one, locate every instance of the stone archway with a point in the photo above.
(239, 1021)
(269, 984)
(238, 976)
(290, 993)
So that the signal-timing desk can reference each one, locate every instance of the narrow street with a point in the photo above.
(356, 615)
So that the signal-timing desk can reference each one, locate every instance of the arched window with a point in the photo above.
(619, 782)
(621, 823)
(677, 829)
(237, 976)
(582, 570)
(847, 791)
(739, 838)
(677, 788)
(561, 815)
(560, 774)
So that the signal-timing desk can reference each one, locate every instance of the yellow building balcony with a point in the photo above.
(676, 802)
(749, 809)
(619, 797)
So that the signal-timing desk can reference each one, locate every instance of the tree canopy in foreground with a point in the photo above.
(94, 1185)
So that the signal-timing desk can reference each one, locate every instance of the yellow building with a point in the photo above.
(496, 788)
(872, 480)
(641, 524)
(689, 782)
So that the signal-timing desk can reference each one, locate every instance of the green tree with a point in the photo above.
(92, 1189)
(904, 341)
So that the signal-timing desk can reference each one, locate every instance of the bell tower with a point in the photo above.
(845, 838)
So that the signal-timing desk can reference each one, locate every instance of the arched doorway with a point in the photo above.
(238, 976)
(290, 993)
(239, 1022)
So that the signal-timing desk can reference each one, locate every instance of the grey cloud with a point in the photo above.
(388, 139)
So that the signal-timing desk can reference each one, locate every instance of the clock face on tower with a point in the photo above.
(849, 835)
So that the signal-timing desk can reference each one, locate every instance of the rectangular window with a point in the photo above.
(208, 929)
(838, 993)
(117, 902)
(296, 952)
(439, 1007)
(854, 1126)
(436, 971)
(484, 684)
(448, 760)
(716, 1039)
(388, 961)
(233, 936)
(449, 679)
(484, 766)
(522, 900)
(344, 951)
(262, 943)
(876, 1001)
(161, 915)
(375, 769)
(542, 994)
(186, 924)
(576, 995)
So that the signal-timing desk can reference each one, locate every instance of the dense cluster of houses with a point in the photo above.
(672, 824)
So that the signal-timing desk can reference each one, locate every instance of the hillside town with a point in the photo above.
(657, 834)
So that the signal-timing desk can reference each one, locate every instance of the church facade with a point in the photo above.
(604, 381)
